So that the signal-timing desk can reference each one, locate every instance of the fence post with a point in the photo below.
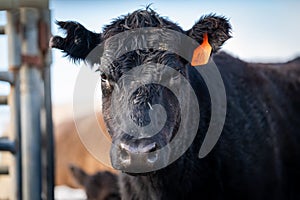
(47, 130)
(31, 93)
(14, 62)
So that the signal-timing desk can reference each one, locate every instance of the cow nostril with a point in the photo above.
(152, 157)
(124, 155)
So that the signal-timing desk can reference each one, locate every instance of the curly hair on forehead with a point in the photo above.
(138, 19)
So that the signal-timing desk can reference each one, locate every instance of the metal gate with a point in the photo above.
(31, 142)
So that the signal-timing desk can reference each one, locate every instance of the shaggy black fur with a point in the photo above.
(258, 154)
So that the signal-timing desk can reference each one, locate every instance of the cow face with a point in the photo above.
(138, 92)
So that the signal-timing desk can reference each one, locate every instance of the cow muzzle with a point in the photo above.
(138, 155)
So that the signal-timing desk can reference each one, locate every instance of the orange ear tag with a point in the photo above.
(202, 53)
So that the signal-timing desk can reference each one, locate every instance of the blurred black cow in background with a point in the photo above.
(102, 185)
(258, 153)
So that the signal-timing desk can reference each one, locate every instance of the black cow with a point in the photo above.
(258, 153)
(102, 185)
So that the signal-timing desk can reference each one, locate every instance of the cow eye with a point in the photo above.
(103, 77)
(77, 40)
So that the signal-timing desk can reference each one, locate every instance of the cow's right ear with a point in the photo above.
(217, 29)
(79, 41)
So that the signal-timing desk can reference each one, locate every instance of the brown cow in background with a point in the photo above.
(69, 149)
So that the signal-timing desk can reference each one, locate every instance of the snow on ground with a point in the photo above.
(66, 193)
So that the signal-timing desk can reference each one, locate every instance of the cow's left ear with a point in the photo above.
(217, 29)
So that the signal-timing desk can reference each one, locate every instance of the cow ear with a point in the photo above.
(79, 175)
(79, 41)
(217, 29)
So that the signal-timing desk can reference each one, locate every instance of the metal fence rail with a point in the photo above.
(3, 100)
(15, 4)
(4, 170)
(7, 77)
(2, 30)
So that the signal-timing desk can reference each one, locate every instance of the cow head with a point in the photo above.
(151, 111)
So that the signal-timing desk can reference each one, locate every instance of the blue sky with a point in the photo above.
(262, 30)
